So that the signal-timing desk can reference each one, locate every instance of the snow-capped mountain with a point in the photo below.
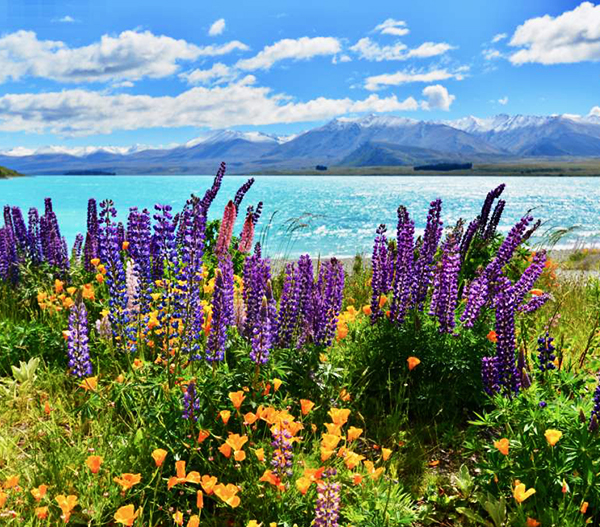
(372, 140)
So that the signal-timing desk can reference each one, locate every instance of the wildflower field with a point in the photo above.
(166, 372)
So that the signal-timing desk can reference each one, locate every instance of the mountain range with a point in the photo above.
(373, 140)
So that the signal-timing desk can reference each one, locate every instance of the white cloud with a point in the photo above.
(438, 98)
(595, 111)
(403, 77)
(393, 27)
(491, 54)
(503, 101)
(571, 37)
(123, 84)
(81, 112)
(217, 27)
(369, 50)
(499, 37)
(430, 49)
(131, 55)
(295, 49)
(218, 73)
(66, 19)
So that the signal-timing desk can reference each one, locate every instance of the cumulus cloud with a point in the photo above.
(503, 101)
(438, 98)
(499, 37)
(217, 27)
(294, 49)
(393, 27)
(131, 55)
(404, 77)
(430, 49)
(595, 111)
(82, 112)
(67, 19)
(217, 74)
(491, 54)
(368, 49)
(571, 37)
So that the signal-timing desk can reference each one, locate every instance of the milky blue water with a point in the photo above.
(332, 215)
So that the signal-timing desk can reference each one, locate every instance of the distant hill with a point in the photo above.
(374, 140)
(7, 172)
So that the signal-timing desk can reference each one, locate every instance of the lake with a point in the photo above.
(329, 215)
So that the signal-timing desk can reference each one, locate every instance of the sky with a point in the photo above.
(106, 72)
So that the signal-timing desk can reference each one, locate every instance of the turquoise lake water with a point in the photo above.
(338, 214)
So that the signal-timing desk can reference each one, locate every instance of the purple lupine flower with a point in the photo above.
(110, 254)
(488, 375)
(289, 306)
(9, 263)
(403, 276)
(490, 230)
(465, 244)
(54, 252)
(139, 236)
(239, 195)
(383, 271)
(445, 284)
(327, 301)
(223, 312)
(531, 230)
(508, 247)
(487, 207)
(306, 296)
(247, 233)
(256, 274)
(327, 510)
(262, 340)
(191, 402)
(534, 304)
(76, 251)
(211, 193)
(282, 450)
(595, 415)
(546, 353)
(90, 249)
(20, 231)
(423, 268)
(33, 234)
(256, 214)
(529, 276)
(507, 376)
(78, 350)
(226, 230)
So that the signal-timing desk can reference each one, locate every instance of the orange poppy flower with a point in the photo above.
(225, 449)
(357, 479)
(502, 445)
(199, 499)
(237, 398)
(269, 477)
(520, 494)
(367, 310)
(11, 482)
(66, 504)
(208, 484)
(260, 454)
(227, 493)
(352, 459)
(372, 471)
(95, 261)
(225, 415)
(87, 292)
(326, 453)
(250, 418)
(584, 507)
(339, 416)
(159, 456)
(413, 362)
(344, 395)
(553, 436)
(137, 364)
(58, 286)
(202, 435)
(354, 433)
(276, 384)
(194, 521)
(492, 336)
(3, 497)
(126, 515)
(306, 406)
(39, 492)
(178, 518)
(386, 453)
(303, 484)
(180, 469)
(94, 463)
(125, 245)
(89, 383)
(536, 292)
(333, 429)
(41, 513)
(531, 522)
(128, 480)
(99, 278)
(382, 300)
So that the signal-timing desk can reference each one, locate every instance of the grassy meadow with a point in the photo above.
(165, 372)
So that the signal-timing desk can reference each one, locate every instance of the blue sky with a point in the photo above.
(105, 72)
